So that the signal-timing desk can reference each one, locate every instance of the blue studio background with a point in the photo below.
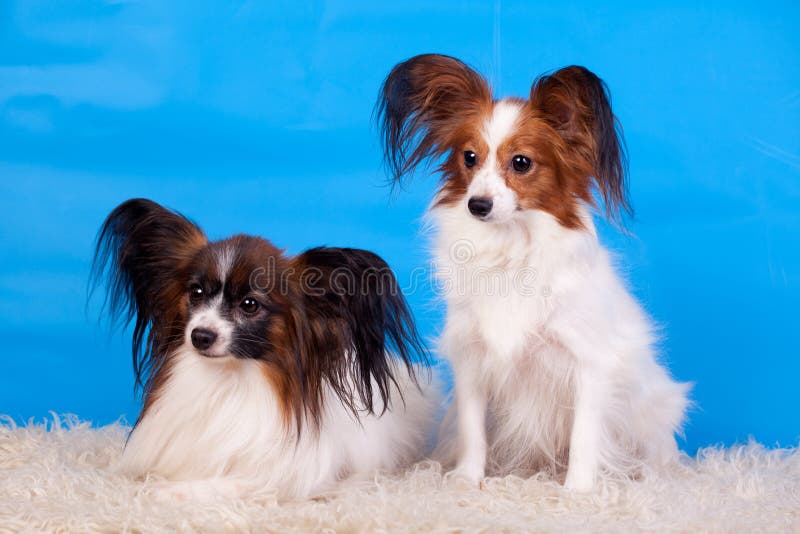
(256, 117)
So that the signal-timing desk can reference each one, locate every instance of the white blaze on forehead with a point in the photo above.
(488, 182)
(224, 262)
(500, 125)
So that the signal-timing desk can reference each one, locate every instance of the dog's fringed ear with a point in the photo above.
(577, 104)
(421, 104)
(357, 325)
(141, 251)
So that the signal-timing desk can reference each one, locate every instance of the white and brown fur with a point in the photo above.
(261, 371)
(561, 374)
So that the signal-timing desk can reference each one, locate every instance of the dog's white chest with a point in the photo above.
(509, 321)
(208, 422)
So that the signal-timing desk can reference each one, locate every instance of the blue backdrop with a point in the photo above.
(256, 117)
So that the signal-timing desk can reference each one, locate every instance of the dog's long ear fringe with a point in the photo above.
(358, 322)
(578, 104)
(421, 103)
(140, 250)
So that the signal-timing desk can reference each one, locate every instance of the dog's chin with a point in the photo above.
(215, 356)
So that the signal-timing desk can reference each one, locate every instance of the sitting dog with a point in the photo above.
(558, 371)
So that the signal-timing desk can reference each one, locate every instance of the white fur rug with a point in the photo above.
(56, 477)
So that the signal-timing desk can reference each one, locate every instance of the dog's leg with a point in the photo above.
(587, 427)
(471, 400)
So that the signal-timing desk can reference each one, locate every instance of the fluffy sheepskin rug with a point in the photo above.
(57, 476)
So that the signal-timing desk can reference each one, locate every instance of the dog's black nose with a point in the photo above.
(480, 206)
(202, 338)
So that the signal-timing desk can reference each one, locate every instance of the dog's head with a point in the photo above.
(328, 317)
(502, 157)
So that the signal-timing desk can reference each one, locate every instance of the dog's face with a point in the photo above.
(235, 298)
(502, 164)
(504, 157)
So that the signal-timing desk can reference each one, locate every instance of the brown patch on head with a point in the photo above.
(554, 183)
(255, 265)
(456, 175)
(425, 104)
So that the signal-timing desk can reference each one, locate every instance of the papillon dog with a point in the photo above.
(553, 359)
(261, 370)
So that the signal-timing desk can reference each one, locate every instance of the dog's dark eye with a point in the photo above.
(470, 158)
(249, 305)
(521, 163)
(196, 294)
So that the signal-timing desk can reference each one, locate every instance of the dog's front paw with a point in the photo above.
(579, 480)
(470, 473)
